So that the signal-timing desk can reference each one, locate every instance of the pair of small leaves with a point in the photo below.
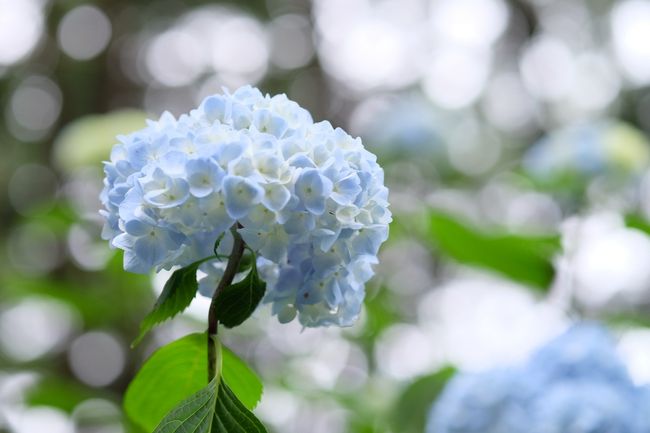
(234, 304)
(214, 409)
(178, 370)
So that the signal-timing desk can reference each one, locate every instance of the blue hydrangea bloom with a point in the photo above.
(576, 384)
(586, 405)
(600, 147)
(310, 199)
(479, 403)
(585, 351)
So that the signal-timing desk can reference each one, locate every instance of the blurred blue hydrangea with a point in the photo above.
(576, 384)
(406, 127)
(310, 199)
(584, 150)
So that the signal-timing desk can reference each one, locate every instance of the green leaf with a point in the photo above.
(527, 260)
(243, 381)
(58, 392)
(416, 400)
(194, 415)
(238, 301)
(176, 296)
(178, 370)
(214, 409)
(170, 375)
(246, 262)
(635, 221)
(231, 416)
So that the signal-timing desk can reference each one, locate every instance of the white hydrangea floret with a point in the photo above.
(309, 198)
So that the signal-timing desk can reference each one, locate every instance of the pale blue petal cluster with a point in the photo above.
(588, 149)
(575, 384)
(310, 198)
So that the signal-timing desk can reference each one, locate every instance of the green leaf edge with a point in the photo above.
(169, 295)
(540, 249)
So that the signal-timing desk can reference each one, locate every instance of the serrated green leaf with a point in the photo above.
(193, 415)
(179, 291)
(238, 301)
(527, 260)
(416, 399)
(231, 416)
(176, 371)
(213, 409)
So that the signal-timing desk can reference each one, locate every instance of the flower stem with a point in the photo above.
(226, 280)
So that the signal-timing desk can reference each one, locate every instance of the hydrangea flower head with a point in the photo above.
(308, 198)
(478, 403)
(576, 383)
(589, 406)
(585, 351)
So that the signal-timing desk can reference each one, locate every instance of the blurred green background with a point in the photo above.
(514, 135)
